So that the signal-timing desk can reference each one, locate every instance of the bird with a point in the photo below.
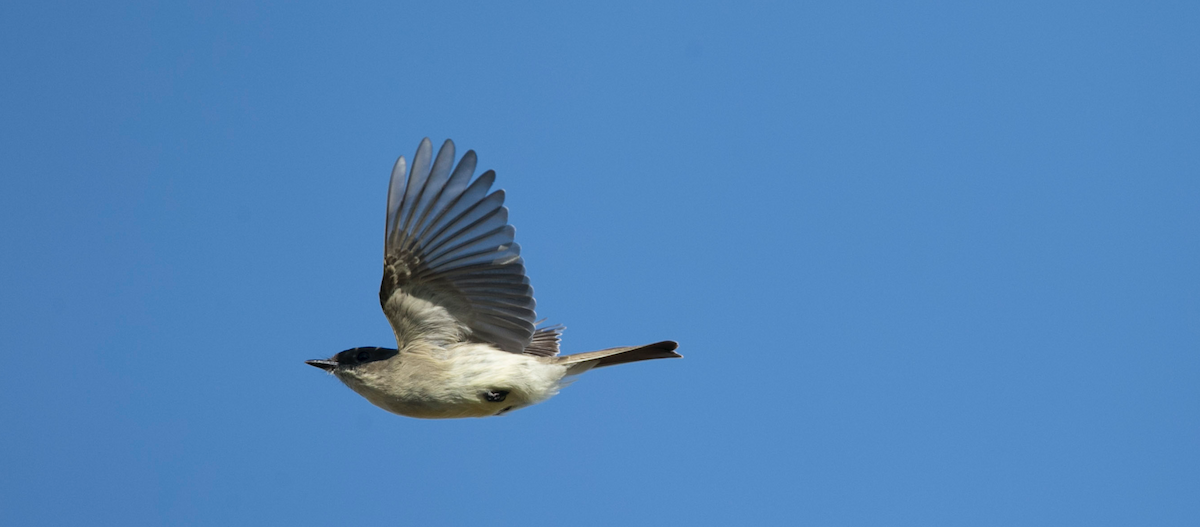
(454, 289)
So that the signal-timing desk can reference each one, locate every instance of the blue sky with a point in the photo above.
(929, 264)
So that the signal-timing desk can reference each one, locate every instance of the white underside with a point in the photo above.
(452, 382)
(437, 375)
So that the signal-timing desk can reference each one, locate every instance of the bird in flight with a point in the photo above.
(455, 292)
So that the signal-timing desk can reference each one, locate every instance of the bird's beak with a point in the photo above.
(324, 364)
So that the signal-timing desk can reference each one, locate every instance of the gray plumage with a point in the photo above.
(455, 292)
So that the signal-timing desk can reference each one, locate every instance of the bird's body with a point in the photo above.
(453, 381)
(455, 292)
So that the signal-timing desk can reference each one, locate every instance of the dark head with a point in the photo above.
(353, 357)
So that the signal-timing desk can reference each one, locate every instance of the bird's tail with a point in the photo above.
(581, 362)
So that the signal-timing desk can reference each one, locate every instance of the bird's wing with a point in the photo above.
(448, 241)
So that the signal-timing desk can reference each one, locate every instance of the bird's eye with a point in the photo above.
(362, 356)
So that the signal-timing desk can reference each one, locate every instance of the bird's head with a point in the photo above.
(352, 359)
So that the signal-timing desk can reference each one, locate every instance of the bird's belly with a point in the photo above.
(443, 405)
(439, 409)
(465, 385)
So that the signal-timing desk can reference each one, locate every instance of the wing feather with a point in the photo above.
(448, 240)
(545, 341)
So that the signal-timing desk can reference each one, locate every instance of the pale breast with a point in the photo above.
(461, 380)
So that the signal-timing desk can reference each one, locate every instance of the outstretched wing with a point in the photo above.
(448, 241)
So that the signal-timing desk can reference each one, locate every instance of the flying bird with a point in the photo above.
(455, 292)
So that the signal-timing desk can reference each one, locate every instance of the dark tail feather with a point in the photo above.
(582, 362)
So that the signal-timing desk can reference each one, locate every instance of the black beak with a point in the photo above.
(324, 364)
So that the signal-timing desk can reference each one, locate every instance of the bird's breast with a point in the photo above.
(462, 380)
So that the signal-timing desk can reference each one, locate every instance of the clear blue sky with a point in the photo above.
(929, 264)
